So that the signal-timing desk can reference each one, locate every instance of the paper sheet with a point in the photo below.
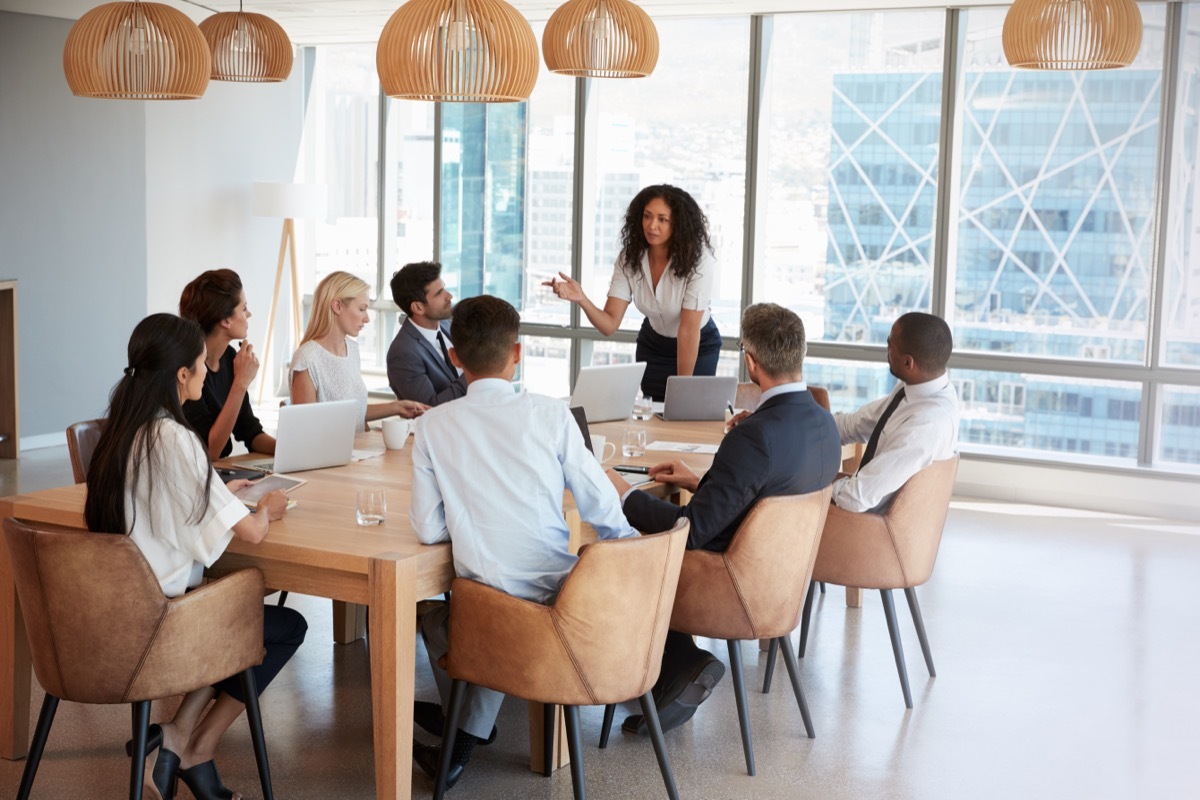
(683, 447)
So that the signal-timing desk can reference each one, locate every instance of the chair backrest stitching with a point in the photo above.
(737, 587)
(37, 561)
(137, 671)
(571, 655)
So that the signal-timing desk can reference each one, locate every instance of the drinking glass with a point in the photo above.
(370, 507)
(643, 408)
(633, 443)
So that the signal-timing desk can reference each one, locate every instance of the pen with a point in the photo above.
(730, 407)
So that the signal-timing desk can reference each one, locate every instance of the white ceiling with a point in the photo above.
(339, 21)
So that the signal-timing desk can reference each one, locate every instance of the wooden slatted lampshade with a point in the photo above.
(467, 51)
(600, 39)
(136, 51)
(249, 48)
(1072, 34)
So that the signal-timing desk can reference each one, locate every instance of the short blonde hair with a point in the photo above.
(335, 286)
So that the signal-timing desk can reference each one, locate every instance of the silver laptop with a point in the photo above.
(312, 436)
(698, 397)
(607, 393)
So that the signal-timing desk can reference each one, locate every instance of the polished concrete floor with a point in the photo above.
(1067, 645)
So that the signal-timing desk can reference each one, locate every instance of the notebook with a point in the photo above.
(312, 436)
(607, 393)
(698, 397)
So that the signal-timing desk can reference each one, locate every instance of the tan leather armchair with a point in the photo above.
(101, 631)
(893, 550)
(755, 589)
(599, 642)
(81, 442)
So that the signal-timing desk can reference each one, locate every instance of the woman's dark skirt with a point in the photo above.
(661, 356)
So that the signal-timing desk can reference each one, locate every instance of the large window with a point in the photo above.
(1056, 191)
(846, 215)
(1024, 207)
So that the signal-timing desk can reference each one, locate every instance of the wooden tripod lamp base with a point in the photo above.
(291, 201)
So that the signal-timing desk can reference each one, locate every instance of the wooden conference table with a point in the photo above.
(318, 549)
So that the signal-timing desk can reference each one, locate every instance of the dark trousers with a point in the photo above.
(661, 354)
(680, 655)
(283, 633)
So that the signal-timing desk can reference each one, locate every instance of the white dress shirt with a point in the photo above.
(489, 472)
(160, 510)
(662, 305)
(430, 334)
(922, 429)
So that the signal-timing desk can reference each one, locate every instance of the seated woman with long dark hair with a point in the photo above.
(150, 478)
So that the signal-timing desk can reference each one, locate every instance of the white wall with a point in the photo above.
(72, 227)
(109, 207)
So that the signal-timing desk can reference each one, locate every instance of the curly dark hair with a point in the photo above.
(689, 231)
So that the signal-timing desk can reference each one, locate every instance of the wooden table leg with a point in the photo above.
(349, 622)
(853, 597)
(537, 727)
(15, 668)
(393, 586)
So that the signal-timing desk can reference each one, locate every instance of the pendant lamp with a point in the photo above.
(1072, 34)
(136, 51)
(467, 51)
(249, 48)
(600, 39)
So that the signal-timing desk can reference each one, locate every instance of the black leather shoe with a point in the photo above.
(429, 758)
(679, 702)
(635, 723)
(431, 719)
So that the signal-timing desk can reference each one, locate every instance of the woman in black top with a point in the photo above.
(215, 300)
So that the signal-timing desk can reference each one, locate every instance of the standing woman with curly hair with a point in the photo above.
(665, 268)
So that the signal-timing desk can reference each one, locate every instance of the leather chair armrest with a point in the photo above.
(207, 635)
(707, 602)
(857, 550)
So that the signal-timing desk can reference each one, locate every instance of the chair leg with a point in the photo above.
(40, 734)
(772, 652)
(606, 725)
(549, 730)
(911, 595)
(889, 612)
(789, 660)
(137, 764)
(575, 750)
(282, 599)
(822, 583)
(254, 717)
(806, 616)
(650, 713)
(458, 694)
(739, 694)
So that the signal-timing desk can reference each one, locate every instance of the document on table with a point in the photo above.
(683, 447)
(365, 453)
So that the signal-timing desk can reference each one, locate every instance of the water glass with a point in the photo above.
(643, 407)
(633, 443)
(370, 507)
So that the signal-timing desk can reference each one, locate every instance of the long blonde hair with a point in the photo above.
(335, 286)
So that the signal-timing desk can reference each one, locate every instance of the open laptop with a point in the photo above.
(607, 393)
(312, 436)
(698, 397)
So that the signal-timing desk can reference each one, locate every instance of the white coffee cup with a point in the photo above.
(395, 433)
(599, 447)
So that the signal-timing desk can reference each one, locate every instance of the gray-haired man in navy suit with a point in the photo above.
(788, 445)
(418, 362)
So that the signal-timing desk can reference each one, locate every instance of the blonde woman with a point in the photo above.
(326, 365)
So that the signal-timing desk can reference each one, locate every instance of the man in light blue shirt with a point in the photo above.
(489, 472)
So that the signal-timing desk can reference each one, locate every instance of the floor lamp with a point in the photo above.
(289, 201)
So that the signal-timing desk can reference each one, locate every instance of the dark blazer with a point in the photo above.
(417, 371)
(789, 445)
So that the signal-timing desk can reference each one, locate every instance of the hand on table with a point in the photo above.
(275, 503)
(237, 484)
(675, 473)
(409, 408)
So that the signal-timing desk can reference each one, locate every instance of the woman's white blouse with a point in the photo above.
(160, 509)
(662, 306)
(334, 377)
